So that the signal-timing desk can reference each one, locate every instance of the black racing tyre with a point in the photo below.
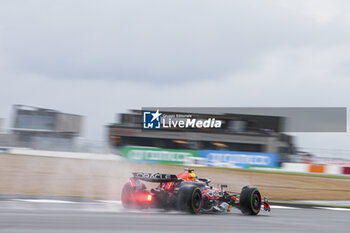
(190, 199)
(250, 201)
(128, 199)
(129, 196)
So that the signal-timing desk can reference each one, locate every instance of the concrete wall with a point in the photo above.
(330, 169)
(59, 154)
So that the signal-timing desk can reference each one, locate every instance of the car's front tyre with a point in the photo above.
(250, 201)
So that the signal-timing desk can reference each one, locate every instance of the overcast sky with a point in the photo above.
(98, 58)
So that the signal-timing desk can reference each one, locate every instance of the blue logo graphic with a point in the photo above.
(151, 120)
(239, 159)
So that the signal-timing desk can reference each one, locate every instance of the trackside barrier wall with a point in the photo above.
(60, 154)
(210, 158)
(295, 167)
(229, 159)
(330, 169)
(4, 150)
(189, 157)
(333, 169)
(155, 155)
(346, 170)
(316, 168)
(239, 159)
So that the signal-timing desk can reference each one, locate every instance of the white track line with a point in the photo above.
(44, 201)
(119, 202)
(333, 208)
(272, 206)
(283, 207)
(110, 201)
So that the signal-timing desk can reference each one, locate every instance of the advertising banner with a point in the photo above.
(239, 159)
(154, 155)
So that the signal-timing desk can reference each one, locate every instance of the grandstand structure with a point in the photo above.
(41, 128)
(239, 132)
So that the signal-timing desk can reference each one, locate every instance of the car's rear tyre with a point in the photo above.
(250, 201)
(190, 199)
(128, 196)
(129, 200)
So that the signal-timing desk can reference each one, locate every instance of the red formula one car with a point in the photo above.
(186, 192)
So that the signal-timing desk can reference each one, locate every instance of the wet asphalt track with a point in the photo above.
(89, 216)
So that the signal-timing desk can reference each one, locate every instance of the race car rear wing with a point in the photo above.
(156, 177)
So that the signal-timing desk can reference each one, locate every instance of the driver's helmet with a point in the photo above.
(187, 176)
(193, 176)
